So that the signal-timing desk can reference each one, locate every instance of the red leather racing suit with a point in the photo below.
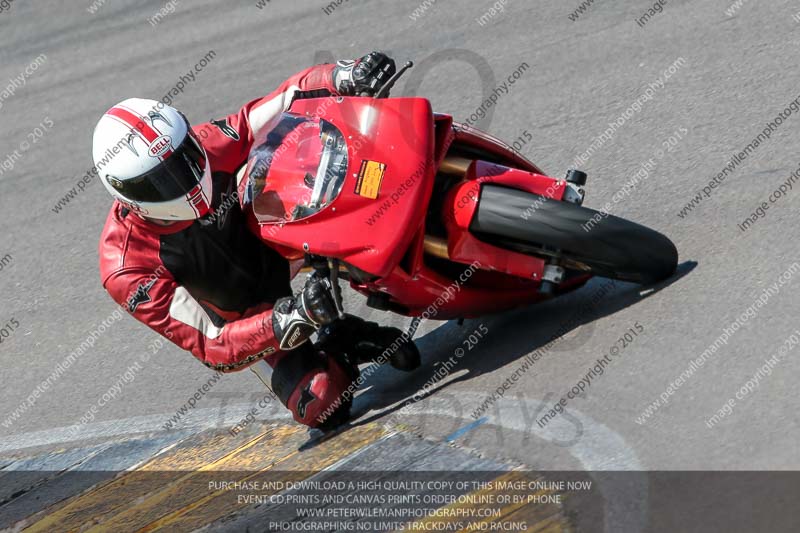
(208, 285)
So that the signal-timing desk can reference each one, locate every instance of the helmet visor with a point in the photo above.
(172, 178)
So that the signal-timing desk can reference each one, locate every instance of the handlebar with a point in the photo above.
(384, 91)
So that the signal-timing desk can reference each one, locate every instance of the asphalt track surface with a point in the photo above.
(731, 76)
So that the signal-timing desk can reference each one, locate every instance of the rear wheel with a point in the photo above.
(582, 238)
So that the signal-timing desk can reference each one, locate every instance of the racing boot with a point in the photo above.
(365, 342)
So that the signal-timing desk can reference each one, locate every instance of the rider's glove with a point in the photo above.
(294, 320)
(363, 76)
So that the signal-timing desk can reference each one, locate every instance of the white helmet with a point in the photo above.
(149, 159)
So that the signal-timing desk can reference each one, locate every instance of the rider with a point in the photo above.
(177, 253)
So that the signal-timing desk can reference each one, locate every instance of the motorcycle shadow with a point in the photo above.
(561, 325)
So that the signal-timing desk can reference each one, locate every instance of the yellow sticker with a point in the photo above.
(369, 179)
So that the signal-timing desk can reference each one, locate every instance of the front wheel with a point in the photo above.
(584, 239)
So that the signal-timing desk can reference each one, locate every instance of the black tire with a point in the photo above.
(612, 247)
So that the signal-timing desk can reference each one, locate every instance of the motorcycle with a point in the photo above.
(407, 204)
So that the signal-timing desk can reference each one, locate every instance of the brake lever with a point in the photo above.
(384, 91)
(390, 83)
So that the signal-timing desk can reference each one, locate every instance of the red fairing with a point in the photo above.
(131, 255)
(480, 139)
(503, 279)
(382, 232)
(397, 132)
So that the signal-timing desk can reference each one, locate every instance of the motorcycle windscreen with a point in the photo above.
(297, 169)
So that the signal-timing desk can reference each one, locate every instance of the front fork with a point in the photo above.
(553, 271)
